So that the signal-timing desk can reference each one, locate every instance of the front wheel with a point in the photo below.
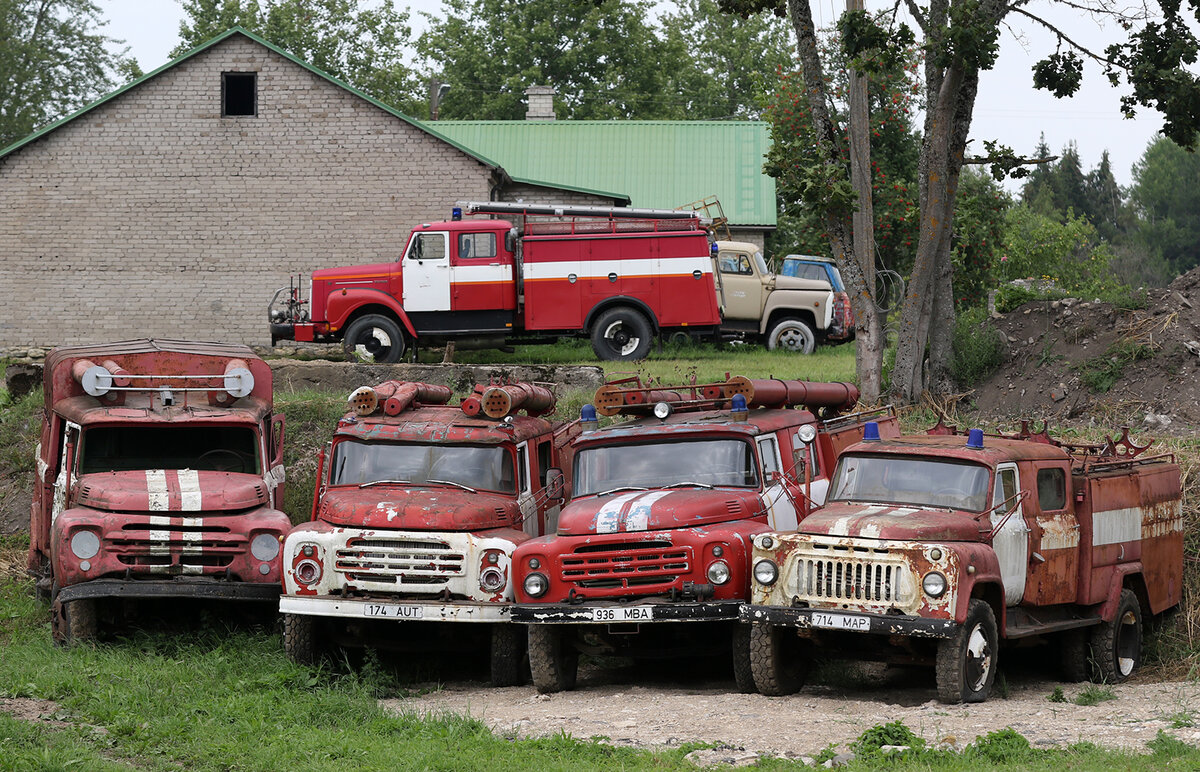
(508, 655)
(302, 639)
(553, 661)
(374, 338)
(792, 335)
(743, 675)
(966, 663)
(779, 660)
(73, 621)
(621, 334)
(1117, 645)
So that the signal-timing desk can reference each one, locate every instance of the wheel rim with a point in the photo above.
(620, 340)
(978, 659)
(792, 339)
(374, 343)
(1127, 644)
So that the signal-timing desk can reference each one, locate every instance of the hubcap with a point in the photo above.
(619, 338)
(373, 343)
(978, 663)
(792, 340)
(1127, 643)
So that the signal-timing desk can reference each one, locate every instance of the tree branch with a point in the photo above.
(1061, 35)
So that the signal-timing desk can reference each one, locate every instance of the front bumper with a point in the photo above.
(599, 612)
(414, 610)
(189, 587)
(880, 624)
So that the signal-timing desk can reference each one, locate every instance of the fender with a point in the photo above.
(1108, 610)
(340, 304)
(987, 571)
(620, 300)
(817, 304)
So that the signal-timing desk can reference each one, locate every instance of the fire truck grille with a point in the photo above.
(626, 565)
(874, 582)
(400, 561)
(145, 547)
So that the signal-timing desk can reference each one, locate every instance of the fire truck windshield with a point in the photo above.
(661, 464)
(135, 448)
(919, 482)
(363, 463)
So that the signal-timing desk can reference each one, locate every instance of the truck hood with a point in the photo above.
(898, 523)
(353, 273)
(418, 509)
(796, 283)
(171, 490)
(656, 510)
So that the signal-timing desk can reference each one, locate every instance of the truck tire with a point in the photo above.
(743, 676)
(508, 655)
(302, 639)
(966, 663)
(1074, 656)
(553, 662)
(791, 335)
(376, 337)
(779, 661)
(621, 334)
(1117, 645)
(73, 621)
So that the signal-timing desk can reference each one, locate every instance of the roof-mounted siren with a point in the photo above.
(773, 392)
(871, 431)
(501, 400)
(397, 396)
(975, 439)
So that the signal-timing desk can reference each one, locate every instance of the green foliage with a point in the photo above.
(979, 225)
(1004, 746)
(55, 59)
(1060, 73)
(1166, 189)
(978, 350)
(1057, 695)
(869, 742)
(1061, 256)
(1100, 373)
(311, 418)
(1094, 694)
(1182, 719)
(364, 45)
(20, 425)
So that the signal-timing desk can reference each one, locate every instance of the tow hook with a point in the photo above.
(697, 591)
(573, 598)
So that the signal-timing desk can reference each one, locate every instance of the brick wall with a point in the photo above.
(152, 215)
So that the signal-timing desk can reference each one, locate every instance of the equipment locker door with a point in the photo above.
(1054, 539)
(427, 273)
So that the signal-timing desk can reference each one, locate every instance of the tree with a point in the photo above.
(365, 47)
(960, 39)
(1166, 192)
(55, 60)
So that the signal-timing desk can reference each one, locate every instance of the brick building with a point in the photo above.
(177, 205)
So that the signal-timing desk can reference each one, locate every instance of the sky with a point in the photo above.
(1008, 108)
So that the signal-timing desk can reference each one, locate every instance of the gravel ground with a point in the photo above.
(634, 707)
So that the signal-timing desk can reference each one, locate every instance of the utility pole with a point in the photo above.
(860, 172)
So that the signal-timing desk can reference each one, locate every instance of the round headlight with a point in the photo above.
(308, 572)
(491, 579)
(935, 554)
(766, 572)
(807, 433)
(662, 410)
(536, 585)
(85, 544)
(766, 542)
(265, 546)
(718, 572)
(934, 584)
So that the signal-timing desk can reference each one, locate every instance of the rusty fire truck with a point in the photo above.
(658, 531)
(417, 510)
(936, 548)
(159, 474)
(615, 274)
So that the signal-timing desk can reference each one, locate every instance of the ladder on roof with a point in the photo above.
(556, 210)
(711, 207)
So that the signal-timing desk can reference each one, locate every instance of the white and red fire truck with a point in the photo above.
(617, 275)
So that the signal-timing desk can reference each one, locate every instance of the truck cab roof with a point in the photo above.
(443, 424)
(995, 450)
(704, 422)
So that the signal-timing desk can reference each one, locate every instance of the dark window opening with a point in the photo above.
(203, 448)
(239, 93)
(1052, 489)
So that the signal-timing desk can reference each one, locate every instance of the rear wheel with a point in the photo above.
(779, 660)
(621, 334)
(966, 663)
(792, 335)
(508, 655)
(553, 661)
(1117, 645)
(73, 621)
(302, 639)
(1074, 656)
(375, 338)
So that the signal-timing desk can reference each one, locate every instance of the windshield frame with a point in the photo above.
(687, 476)
(508, 452)
(85, 430)
(985, 496)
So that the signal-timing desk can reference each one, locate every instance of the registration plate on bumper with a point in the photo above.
(392, 611)
(623, 614)
(853, 622)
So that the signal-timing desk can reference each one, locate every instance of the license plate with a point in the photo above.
(841, 621)
(391, 611)
(623, 614)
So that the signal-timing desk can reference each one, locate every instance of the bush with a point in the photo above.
(1099, 374)
(978, 350)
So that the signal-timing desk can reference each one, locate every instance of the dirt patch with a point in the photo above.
(1152, 356)
(32, 710)
(669, 714)
(16, 499)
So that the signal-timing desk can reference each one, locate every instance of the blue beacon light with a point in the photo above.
(587, 413)
(871, 432)
(456, 213)
(975, 439)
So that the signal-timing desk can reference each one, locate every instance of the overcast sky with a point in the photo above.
(1008, 108)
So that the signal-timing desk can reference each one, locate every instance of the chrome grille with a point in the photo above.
(410, 562)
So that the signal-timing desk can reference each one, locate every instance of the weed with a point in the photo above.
(894, 733)
(1004, 746)
(1047, 355)
(1183, 718)
(1164, 744)
(1057, 695)
(978, 350)
(827, 753)
(1094, 694)
(1099, 374)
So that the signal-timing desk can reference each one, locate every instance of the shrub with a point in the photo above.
(978, 350)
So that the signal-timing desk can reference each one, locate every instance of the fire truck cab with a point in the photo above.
(665, 506)
(418, 508)
(938, 547)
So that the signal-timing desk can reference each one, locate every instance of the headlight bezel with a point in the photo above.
(718, 566)
(536, 578)
(761, 575)
(85, 540)
(934, 578)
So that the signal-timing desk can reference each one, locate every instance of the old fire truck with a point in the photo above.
(159, 474)
(938, 547)
(417, 510)
(658, 530)
(617, 275)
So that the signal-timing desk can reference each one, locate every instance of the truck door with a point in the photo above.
(741, 285)
(1011, 541)
(427, 272)
(480, 275)
(781, 510)
(525, 498)
(549, 517)
(1053, 540)
(65, 480)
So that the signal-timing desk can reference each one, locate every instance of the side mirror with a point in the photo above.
(555, 484)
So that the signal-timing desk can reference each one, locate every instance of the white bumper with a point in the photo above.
(397, 611)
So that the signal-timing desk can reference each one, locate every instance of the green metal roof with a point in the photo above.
(659, 164)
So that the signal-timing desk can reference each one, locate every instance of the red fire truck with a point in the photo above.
(658, 532)
(617, 275)
(936, 548)
(159, 474)
(418, 508)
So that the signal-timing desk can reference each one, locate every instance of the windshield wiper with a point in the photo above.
(622, 488)
(384, 482)
(690, 484)
(455, 484)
